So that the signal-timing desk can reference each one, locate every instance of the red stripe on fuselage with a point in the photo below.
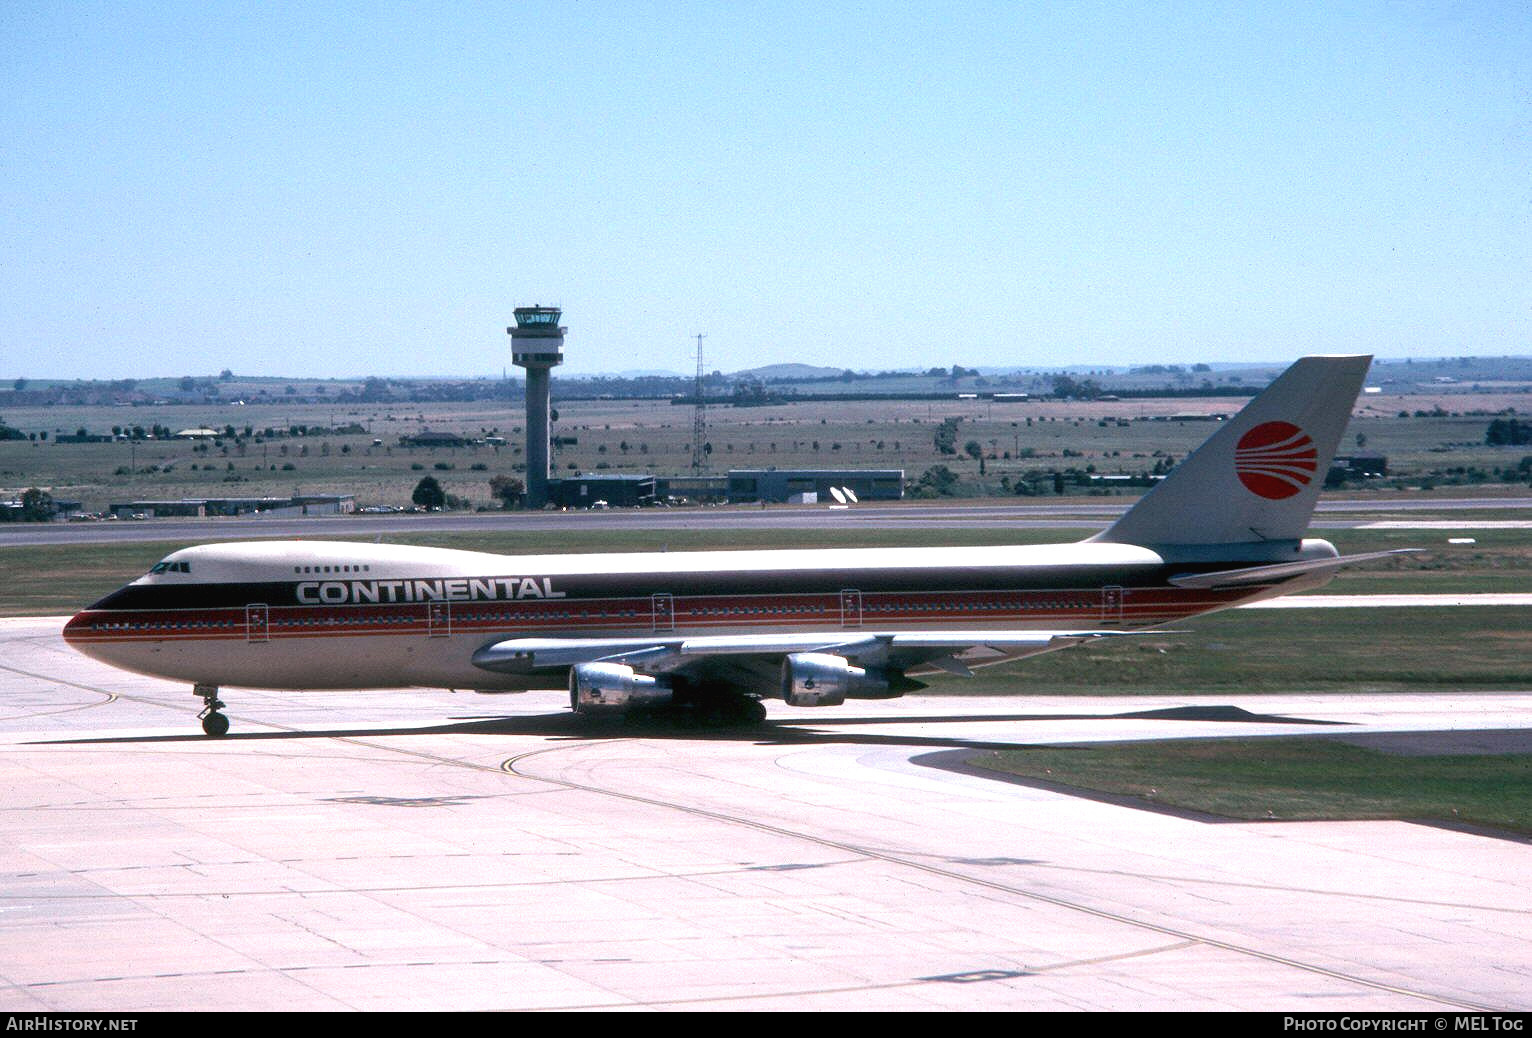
(1076, 608)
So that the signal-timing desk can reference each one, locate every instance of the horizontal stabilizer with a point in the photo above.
(1280, 571)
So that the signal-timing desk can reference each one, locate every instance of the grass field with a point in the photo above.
(1290, 779)
(1285, 650)
(627, 436)
(1499, 560)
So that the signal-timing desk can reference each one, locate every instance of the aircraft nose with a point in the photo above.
(86, 634)
(78, 631)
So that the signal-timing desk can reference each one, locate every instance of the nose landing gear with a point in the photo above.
(213, 723)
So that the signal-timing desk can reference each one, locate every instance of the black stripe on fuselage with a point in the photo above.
(189, 595)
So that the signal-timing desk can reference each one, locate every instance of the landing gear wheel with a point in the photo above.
(213, 723)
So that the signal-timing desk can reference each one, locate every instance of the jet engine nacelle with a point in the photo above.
(602, 687)
(819, 679)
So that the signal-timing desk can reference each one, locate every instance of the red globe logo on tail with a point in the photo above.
(1275, 460)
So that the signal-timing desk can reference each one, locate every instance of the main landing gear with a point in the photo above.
(710, 709)
(733, 710)
(213, 723)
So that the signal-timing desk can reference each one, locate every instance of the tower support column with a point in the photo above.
(539, 434)
(537, 344)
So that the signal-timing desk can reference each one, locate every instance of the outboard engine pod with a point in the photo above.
(820, 679)
(603, 687)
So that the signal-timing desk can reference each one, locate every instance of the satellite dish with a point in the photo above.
(839, 497)
(850, 494)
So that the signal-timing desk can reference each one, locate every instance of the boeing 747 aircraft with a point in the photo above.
(717, 632)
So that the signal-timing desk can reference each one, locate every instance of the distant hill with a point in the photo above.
(789, 371)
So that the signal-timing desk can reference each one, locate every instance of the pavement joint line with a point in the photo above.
(510, 766)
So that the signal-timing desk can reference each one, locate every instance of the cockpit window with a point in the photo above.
(171, 567)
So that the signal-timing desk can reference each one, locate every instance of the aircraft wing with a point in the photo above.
(903, 651)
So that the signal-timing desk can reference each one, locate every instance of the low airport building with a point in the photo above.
(614, 491)
(1361, 466)
(1192, 416)
(13, 507)
(1366, 463)
(746, 485)
(198, 507)
(182, 509)
(434, 439)
(693, 488)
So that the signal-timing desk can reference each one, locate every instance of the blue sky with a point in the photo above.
(350, 189)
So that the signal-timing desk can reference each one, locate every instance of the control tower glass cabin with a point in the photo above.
(537, 344)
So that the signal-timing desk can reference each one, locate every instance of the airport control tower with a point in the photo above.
(537, 344)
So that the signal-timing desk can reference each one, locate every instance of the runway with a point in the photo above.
(403, 849)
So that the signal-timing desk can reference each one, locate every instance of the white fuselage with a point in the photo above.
(315, 615)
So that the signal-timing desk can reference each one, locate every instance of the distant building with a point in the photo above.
(1365, 463)
(197, 507)
(12, 508)
(325, 504)
(1124, 479)
(185, 508)
(782, 484)
(433, 439)
(616, 490)
(693, 488)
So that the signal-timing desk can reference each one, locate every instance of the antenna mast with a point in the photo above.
(699, 417)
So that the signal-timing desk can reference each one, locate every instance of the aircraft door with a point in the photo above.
(664, 606)
(851, 608)
(438, 619)
(257, 622)
(1111, 605)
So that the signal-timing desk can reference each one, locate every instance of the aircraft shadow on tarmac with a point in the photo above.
(798, 731)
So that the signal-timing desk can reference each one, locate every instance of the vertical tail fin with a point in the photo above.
(1259, 476)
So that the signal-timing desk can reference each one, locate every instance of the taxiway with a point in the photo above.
(429, 850)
